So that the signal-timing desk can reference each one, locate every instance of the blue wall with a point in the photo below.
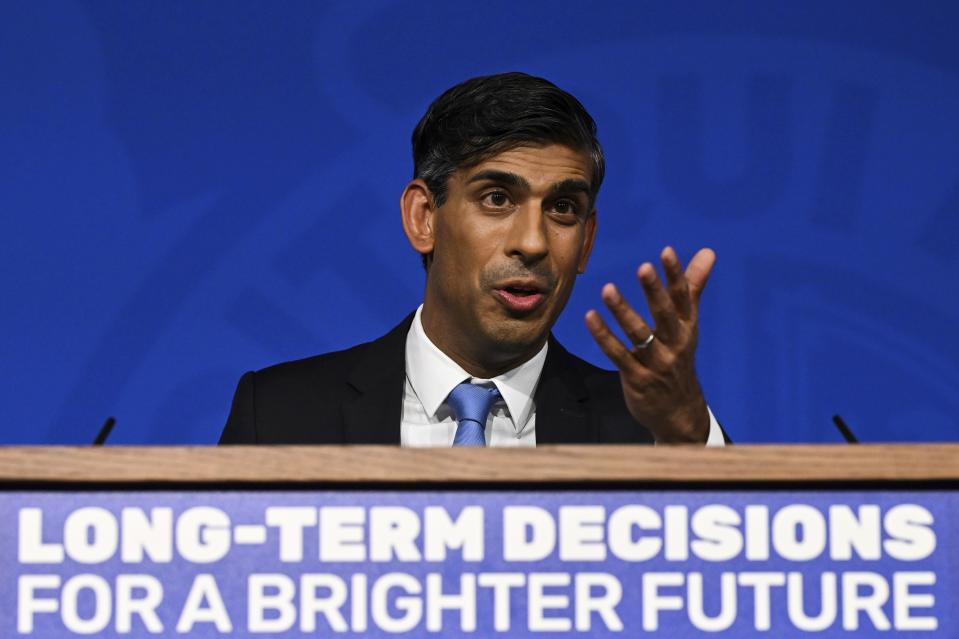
(193, 189)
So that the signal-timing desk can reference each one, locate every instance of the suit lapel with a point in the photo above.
(373, 415)
(562, 401)
(379, 378)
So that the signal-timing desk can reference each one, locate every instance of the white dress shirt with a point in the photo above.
(427, 420)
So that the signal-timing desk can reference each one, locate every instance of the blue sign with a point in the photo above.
(450, 563)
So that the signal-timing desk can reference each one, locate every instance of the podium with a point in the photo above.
(555, 541)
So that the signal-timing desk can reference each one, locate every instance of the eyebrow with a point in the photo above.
(503, 177)
(569, 185)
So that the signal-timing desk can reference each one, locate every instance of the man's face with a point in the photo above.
(509, 240)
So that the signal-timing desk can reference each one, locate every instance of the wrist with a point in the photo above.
(687, 425)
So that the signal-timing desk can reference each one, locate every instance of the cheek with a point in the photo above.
(472, 246)
(566, 248)
(462, 253)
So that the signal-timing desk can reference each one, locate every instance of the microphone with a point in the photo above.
(844, 429)
(104, 431)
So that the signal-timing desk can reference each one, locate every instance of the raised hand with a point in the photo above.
(658, 370)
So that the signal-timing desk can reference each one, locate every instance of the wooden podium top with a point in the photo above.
(570, 464)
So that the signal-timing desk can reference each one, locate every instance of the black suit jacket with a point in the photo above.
(355, 397)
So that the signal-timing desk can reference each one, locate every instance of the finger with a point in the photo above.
(698, 270)
(609, 343)
(632, 323)
(660, 306)
(677, 285)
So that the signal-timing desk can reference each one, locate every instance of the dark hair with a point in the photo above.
(485, 116)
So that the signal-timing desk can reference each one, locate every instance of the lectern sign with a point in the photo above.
(452, 563)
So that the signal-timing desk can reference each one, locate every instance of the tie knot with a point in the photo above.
(472, 402)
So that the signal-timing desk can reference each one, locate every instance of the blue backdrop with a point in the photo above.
(191, 190)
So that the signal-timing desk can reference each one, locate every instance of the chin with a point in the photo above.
(515, 335)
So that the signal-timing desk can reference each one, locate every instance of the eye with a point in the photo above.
(496, 199)
(565, 207)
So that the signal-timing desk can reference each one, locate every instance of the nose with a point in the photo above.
(527, 239)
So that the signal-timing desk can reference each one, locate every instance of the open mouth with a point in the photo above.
(521, 291)
(520, 298)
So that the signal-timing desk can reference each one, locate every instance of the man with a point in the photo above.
(507, 169)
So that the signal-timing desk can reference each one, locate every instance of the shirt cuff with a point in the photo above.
(716, 438)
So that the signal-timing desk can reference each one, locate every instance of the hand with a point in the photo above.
(659, 381)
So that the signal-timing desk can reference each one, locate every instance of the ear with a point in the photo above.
(417, 208)
(590, 230)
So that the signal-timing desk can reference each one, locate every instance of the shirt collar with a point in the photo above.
(432, 374)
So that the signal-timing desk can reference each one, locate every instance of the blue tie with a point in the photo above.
(471, 405)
